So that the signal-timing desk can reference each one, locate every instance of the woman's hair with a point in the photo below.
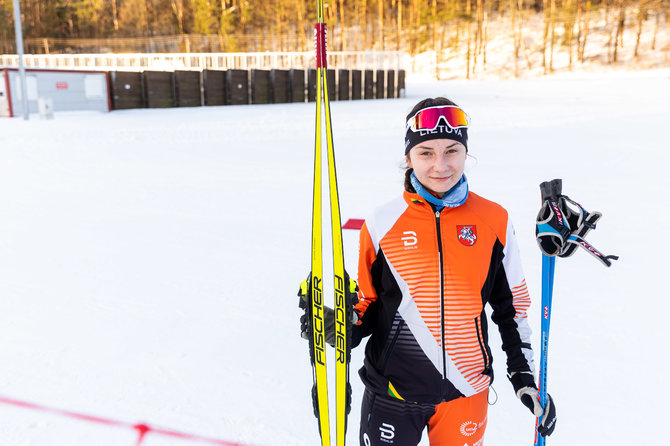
(428, 102)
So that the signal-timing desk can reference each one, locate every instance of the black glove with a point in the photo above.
(328, 313)
(526, 391)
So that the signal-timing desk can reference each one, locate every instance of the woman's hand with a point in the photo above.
(526, 391)
(329, 335)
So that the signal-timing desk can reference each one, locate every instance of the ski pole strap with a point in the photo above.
(576, 241)
(562, 225)
(551, 229)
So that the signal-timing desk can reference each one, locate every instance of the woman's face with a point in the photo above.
(438, 164)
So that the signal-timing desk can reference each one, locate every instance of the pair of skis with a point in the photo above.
(316, 309)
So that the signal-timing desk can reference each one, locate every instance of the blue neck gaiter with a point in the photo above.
(454, 197)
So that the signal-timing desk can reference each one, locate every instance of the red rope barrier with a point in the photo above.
(141, 428)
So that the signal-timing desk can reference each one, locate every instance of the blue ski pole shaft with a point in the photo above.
(548, 265)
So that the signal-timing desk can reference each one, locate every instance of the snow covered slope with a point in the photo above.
(149, 259)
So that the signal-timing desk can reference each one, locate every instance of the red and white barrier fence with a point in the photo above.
(142, 429)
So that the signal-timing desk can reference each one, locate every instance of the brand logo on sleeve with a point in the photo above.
(467, 234)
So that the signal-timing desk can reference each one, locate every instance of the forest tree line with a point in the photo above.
(285, 25)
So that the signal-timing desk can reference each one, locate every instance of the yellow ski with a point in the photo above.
(342, 390)
(342, 287)
(320, 389)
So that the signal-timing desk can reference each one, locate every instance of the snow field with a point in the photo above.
(149, 259)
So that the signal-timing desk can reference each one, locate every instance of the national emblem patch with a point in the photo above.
(467, 234)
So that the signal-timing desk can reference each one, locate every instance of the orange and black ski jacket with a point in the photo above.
(424, 278)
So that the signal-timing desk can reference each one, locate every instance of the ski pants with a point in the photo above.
(387, 421)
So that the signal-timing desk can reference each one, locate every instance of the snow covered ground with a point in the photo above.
(149, 259)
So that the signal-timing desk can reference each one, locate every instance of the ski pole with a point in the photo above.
(548, 265)
(560, 229)
(549, 190)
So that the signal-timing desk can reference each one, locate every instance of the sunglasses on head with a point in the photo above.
(429, 118)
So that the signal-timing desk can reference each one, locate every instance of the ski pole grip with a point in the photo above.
(320, 41)
(551, 189)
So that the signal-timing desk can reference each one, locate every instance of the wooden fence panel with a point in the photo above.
(187, 88)
(215, 87)
(369, 87)
(297, 83)
(379, 84)
(159, 89)
(280, 86)
(238, 86)
(261, 87)
(127, 90)
(343, 91)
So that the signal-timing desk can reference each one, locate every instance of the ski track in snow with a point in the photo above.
(149, 259)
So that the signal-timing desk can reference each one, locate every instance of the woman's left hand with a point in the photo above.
(526, 391)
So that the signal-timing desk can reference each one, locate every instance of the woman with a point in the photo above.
(429, 262)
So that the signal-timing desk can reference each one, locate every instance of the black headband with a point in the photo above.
(442, 131)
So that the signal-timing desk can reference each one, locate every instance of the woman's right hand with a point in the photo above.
(328, 313)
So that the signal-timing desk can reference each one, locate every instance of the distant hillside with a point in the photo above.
(510, 49)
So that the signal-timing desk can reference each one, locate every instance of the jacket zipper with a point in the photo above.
(392, 344)
(439, 250)
(482, 346)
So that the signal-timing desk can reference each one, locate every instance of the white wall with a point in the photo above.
(69, 90)
(4, 95)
